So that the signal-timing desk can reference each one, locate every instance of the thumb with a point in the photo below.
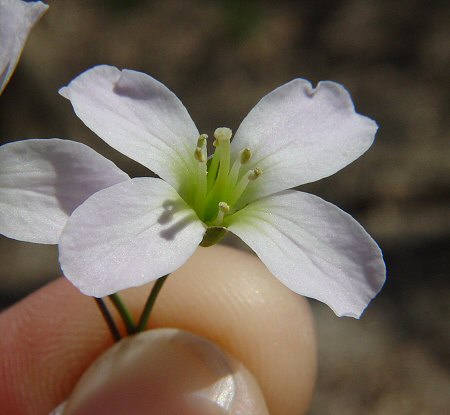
(166, 371)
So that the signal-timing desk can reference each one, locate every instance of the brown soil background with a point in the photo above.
(220, 58)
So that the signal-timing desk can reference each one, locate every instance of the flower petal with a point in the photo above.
(16, 20)
(128, 235)
(43, 181)
(299, 134)
(139, 117)
(314, 248)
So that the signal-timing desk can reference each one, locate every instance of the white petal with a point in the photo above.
(16, 20)
(138, 116)
(298, 134)
(314, 248)
(43, 181)
(128, 235)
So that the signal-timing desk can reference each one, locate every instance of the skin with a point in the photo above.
(223, 295)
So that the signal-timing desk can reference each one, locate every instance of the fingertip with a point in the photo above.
(52, 337)
(166, 371)
(230, 298)
(222, 294)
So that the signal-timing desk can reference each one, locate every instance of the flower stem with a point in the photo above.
(108, 318)
(124, 313)
(150, 303)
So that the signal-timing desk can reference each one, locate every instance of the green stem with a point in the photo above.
(109, 320)
(124, 313)
(150, 303)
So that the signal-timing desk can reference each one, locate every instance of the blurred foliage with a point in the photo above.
(119, 6)
(241, 17)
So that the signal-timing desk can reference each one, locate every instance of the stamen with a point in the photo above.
(200, 153)
(201, 141)
(219, 187)
(254, 174)
(246, 155)
(224, 208)
(199, 156)
(243, 183)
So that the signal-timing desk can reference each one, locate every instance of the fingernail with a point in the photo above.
(166, 371)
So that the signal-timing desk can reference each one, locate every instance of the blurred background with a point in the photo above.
(220, 57)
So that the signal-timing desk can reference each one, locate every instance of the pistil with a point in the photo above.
(223, 137)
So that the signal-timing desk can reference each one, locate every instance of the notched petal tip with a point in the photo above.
(138, 116)
(299, 134)
(336, 94)
(350, 314)
(65, 92)
(339, 96)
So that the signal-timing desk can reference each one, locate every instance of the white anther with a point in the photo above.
(246, 155)
(254, 174)
(224, 207)
(199, 155)
(201, 141)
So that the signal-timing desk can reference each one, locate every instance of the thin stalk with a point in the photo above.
(150, 303)
(213, 168)
(109, 320)
(224, 167)
(124, 313)
(201, 186)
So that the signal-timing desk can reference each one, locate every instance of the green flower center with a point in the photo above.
(220, 184)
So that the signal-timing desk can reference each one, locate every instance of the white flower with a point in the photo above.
(139, 229)
(17, 18)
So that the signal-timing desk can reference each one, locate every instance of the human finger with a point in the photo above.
(166, 371)
(224, 295)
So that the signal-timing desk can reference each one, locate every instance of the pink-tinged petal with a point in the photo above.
(16, 20)
(314, 248)
(138, 116)
(128, 235)
(43, 181)
(299, 134)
